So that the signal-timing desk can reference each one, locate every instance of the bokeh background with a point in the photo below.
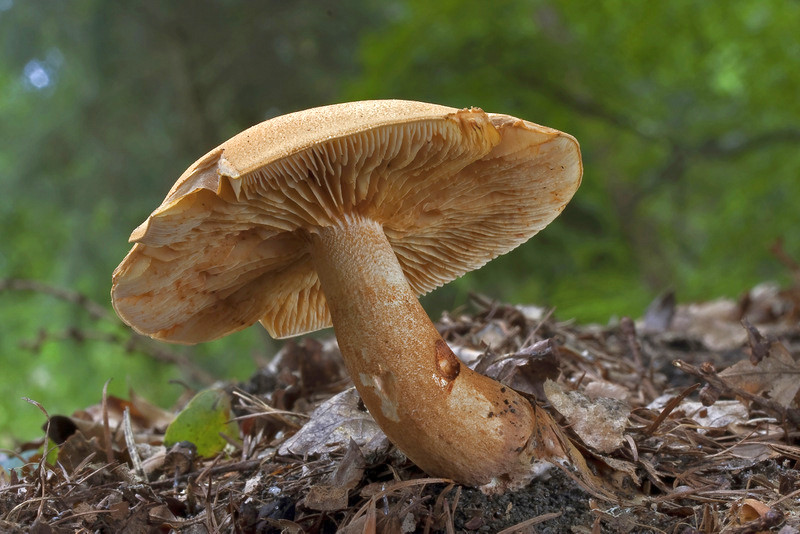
(687, 112)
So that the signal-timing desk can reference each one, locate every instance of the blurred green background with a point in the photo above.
(687, 113)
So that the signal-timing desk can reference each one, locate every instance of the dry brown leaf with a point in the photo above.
(715, 323)
(777, 375)
(719, 415)
(76, 449)
(333, 424)
(659, 314)
(350, 469)
(600, 423)
(755, 452)
(601, 388)
(752, 509)
(326, 498)
(334, 494)
(527, 369)
(144, 415)
(493, 334)
(757, 515)
(622, 468)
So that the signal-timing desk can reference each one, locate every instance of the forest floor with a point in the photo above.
(688, 419)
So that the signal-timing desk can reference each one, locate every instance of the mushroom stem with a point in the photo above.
(448, 419)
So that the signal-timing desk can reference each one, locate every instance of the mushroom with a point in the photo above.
(342, 215)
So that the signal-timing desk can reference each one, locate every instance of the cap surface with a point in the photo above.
(229, 244)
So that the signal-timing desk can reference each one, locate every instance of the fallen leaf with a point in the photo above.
(755, 452)
(622, 468)
(76, 448)
(180, 458)
(468, 355)
(759, 347)
(202, 421)
(527, 369)
(119, 510)
(777, 374)
(350, 469)
(600, 423)
(493, 335)
(144, 416)
(659, 314)
(600, 388)
(334, 494)
(757, 515)
(333, 424)
(719, 415)
(85, 509)
(752, 509)
(326, 498)
(715, 323)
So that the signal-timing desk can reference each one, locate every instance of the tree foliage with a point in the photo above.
(687, 120)
(686, 112)
(102, 107)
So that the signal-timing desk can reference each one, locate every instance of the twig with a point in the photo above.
(131, 341)
(239, 467)
(395, 487)
(789, 262)
(95, 310)
(710, 375)
(671, 405)
(133, 452)
(520, 527)
(106, 427)
(628, 330)
(42, 463)
(75, 515)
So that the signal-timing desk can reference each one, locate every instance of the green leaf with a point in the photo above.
(202, 421)
(51, 450)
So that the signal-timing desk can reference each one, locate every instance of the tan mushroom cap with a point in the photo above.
(229, 245)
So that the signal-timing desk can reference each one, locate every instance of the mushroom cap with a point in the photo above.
(229, 245)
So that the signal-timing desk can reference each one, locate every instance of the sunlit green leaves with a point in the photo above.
(139, 93)
(686, 113)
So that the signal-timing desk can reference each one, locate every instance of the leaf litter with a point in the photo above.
(686, 421)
